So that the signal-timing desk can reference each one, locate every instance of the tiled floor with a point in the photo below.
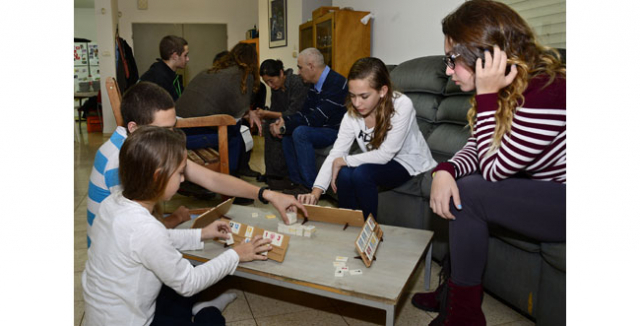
(258, 303)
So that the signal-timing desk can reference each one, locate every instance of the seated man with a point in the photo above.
(174, 52)
(148, 104)
(316, 124)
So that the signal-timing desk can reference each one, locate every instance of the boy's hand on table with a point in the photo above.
(176, 218)
(284, 203)
(182, 213)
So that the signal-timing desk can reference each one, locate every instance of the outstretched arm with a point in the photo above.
(232, 186)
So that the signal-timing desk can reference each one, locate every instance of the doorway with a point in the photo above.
(205, 41)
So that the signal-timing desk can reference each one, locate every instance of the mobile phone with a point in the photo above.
(481, 56)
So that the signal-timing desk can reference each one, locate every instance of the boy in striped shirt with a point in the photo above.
(144, 104)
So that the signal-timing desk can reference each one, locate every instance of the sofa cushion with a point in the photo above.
(426, 105)
(452, 89)
(425, 74)
(446, 140)
(453, 109)
(413, 187)
(555, 254)
(515, 239)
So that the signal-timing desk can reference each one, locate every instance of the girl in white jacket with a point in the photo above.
(133, 254)
(383, 122)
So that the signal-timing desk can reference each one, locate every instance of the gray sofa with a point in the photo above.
(524, 273)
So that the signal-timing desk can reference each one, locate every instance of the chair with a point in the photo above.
(208, 157)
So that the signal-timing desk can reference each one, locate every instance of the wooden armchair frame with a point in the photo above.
(214, 160)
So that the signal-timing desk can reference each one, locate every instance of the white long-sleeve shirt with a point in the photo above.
(404, 143)
(131, 255)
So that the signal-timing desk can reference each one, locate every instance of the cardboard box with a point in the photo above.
(94, 124)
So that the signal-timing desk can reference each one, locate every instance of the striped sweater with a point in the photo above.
(104, 178)
(535, 147)
(324, 108)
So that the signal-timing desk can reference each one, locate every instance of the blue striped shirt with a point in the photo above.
(104, 175)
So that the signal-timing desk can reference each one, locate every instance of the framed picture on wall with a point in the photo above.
(277, 23)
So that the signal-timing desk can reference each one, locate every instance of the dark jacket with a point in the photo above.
(159, 73)
(291, 99)
(321, 109)
(126, 68)
(216, 93)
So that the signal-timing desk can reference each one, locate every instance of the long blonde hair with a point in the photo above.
(245, 57)
(479, 24)
(375, 71)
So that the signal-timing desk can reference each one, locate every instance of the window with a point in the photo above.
(547, 18)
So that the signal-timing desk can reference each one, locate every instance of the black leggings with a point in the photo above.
(173, 309)
(535, 209)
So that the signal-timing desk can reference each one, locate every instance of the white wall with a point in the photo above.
(401, 29)
(106, 31)
(309, 6)
(285, 53)
(239, 15)
(404, 29)
(84, 23)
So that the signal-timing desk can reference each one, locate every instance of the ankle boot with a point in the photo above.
(429, 301)
(462, 307)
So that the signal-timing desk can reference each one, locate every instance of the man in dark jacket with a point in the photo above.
(174, 52)
(316, 124)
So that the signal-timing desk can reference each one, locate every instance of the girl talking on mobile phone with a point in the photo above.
(512, 170)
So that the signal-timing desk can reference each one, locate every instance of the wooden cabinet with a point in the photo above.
(340, 36)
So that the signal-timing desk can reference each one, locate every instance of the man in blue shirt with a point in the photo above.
(316, 124)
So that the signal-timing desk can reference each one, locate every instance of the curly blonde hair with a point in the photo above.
(245, 57)
(375, 71)
(478, 25)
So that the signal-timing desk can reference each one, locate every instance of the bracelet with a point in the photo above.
(260, 197)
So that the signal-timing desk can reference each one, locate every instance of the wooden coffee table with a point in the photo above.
(308, 265)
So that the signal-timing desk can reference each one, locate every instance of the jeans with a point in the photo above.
(275, 166)
(173, 309)
(208, 137)
(358, 186)
(535, 209)
(300, 155)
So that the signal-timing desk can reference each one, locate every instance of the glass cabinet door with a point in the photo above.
(324, 40)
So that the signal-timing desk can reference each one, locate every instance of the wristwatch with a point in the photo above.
(260, 197)
(283, 128)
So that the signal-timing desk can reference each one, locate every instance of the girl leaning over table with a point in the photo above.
(383, 123)
(132, 254)
(512, 170)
